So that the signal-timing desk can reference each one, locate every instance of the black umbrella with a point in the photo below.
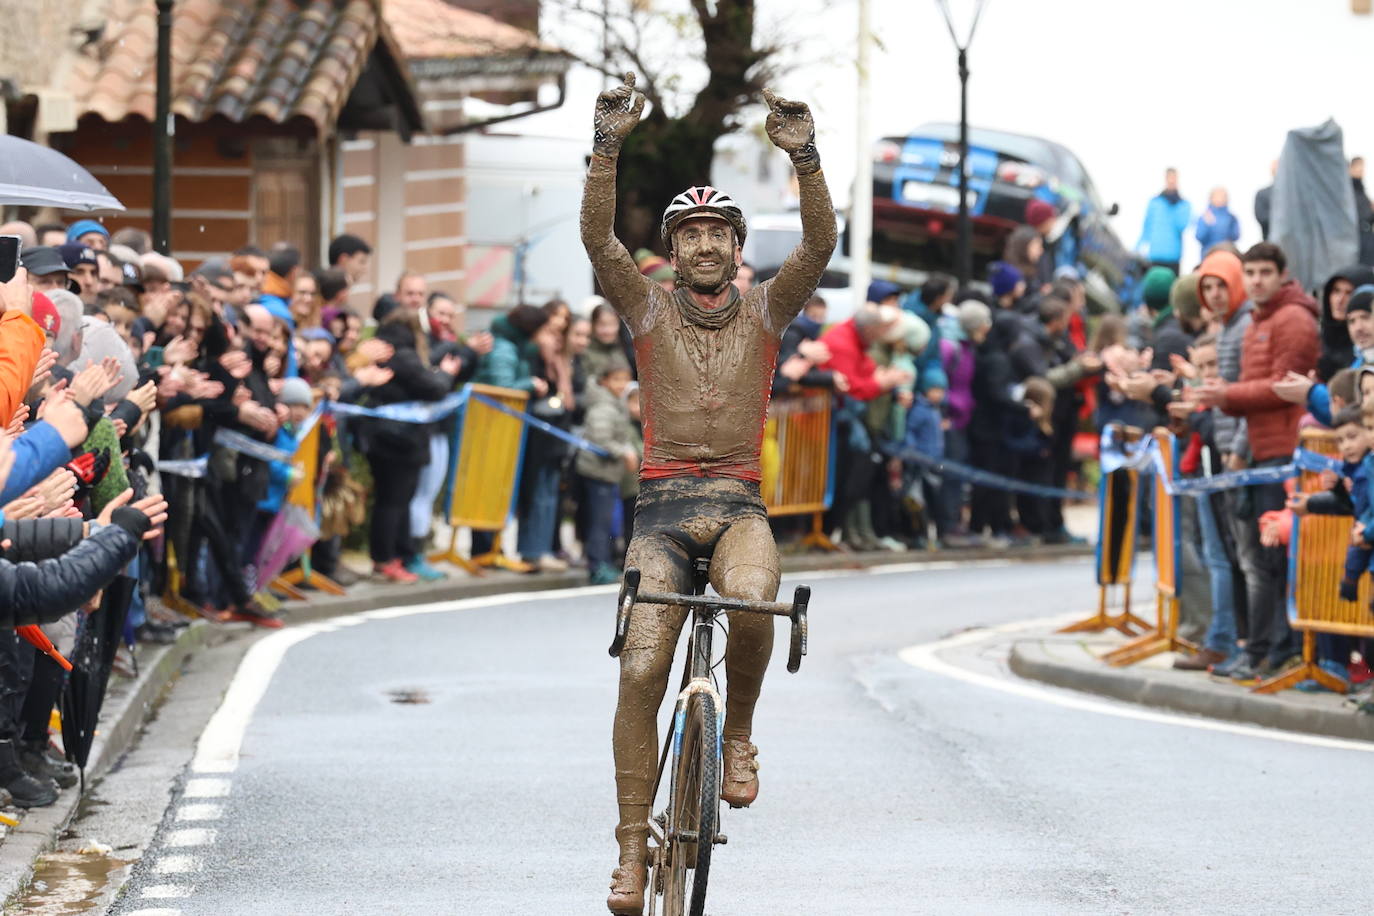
(33, 175)
(84, 694)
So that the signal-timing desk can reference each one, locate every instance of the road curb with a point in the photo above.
(1161, 690)
(121, 721)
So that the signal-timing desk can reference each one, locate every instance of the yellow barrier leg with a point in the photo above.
(816, 538)
(1125, 622)
(1164, 638)
(282, 585)
(1308, 670)
(452, 556)
(496, 558)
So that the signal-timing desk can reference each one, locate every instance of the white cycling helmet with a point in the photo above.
(702, 201)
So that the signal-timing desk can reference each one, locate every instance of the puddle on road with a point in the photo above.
(408, 696)
(69, 882)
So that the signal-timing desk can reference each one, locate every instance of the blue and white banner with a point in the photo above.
(194, 467)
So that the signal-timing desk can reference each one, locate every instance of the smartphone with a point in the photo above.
(9, 257)
(153, 358)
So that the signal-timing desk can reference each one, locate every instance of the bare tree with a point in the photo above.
(715, 46)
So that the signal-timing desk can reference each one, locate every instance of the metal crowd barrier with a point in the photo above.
(797, 460)
(1163, 636)
(486, 452)
(1117, 505)
(1316, 560)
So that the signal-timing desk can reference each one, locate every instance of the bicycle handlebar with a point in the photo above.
(796, 612)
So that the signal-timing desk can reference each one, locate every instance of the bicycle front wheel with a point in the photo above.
(696, 800)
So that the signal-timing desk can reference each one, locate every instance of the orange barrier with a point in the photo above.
(796, 460)
(1163, 637)
(1316, 564)
(1118, 501)
(486, 457)
(305, 493)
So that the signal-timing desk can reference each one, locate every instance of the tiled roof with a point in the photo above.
(427, 29)
(237, 58)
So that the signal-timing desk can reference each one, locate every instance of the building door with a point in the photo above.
(286, 195)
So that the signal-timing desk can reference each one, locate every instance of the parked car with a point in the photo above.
(916, 204)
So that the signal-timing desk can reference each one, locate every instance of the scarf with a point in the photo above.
(714, 319)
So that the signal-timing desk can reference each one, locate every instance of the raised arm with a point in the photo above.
(617, 112)
(793, 131)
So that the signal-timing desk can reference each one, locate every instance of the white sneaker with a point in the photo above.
(892, 544)
(550, 563)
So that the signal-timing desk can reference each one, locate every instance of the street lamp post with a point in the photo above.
(162, 133)
(963, 256)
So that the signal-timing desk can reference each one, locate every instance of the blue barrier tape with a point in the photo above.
(406, 412)
(194, 467)
(1115, 455)
(982, 478)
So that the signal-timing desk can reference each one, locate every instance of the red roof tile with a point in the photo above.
(236, 58)
(434, 29)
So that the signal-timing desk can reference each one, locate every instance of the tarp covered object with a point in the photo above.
(1314, 205)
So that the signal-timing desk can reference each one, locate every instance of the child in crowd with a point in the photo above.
(610, 426)
(1349, 495)
(1030, 437)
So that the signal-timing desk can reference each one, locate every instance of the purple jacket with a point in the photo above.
(958, 357)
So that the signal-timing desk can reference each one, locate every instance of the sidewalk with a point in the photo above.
(1072, 660)
(130, 703)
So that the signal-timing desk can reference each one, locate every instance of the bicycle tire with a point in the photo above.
(696, 800)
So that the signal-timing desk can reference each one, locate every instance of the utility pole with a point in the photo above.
(163, 128)
(963, 257)
(861, 207)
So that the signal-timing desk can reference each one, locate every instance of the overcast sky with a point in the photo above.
(1208, 86)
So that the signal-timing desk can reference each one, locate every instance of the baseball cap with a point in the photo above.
(75, 253)
(43, 260)
(45, 314)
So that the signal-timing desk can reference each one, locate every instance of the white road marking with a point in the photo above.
(175, 865)
(189, 836)
(157, 912)
(925, 656)
(206, 787)
(203, 812)
(166, 891)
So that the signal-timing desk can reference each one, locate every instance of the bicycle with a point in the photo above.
(685, 832)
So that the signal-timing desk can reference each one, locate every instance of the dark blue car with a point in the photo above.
(916, 203)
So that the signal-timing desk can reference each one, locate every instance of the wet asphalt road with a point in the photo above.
(886, 789)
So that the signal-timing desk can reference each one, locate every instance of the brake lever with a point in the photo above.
(629, 591)
(801, 598)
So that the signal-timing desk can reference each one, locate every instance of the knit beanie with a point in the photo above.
(915, 333)
(1361, 300)
(1039, 211)
(102, 438)
(1003, 278)
(1155, 288)
(974, 315)
(1184, 298)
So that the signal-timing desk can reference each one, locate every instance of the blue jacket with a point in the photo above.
(923, 431)
(37, 453)
(1161, 239)
(278, 473)
(1224, 227)
(1319, 397)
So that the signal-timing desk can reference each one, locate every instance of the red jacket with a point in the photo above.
(849, 355)
(1282, 338)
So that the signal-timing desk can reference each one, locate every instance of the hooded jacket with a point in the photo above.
(46, 590)
(609, 425)
(1282, 338)
(1161, 238)
(1228, 431)
(508, 364)
(1337, 350)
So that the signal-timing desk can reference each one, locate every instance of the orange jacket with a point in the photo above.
(21, 341)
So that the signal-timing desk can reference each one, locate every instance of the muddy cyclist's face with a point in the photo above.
(705, 255)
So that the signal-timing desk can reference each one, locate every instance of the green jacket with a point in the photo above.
(609, 425)
(508, 364)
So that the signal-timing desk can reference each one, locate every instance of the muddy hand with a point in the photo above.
(617, 113)
(793, 131)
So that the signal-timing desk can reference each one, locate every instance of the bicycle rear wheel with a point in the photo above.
(695, 804)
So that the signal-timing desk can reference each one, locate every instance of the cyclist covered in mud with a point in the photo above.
(706, 355)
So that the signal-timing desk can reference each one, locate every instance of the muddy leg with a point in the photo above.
(644, 670)
(745, 565)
